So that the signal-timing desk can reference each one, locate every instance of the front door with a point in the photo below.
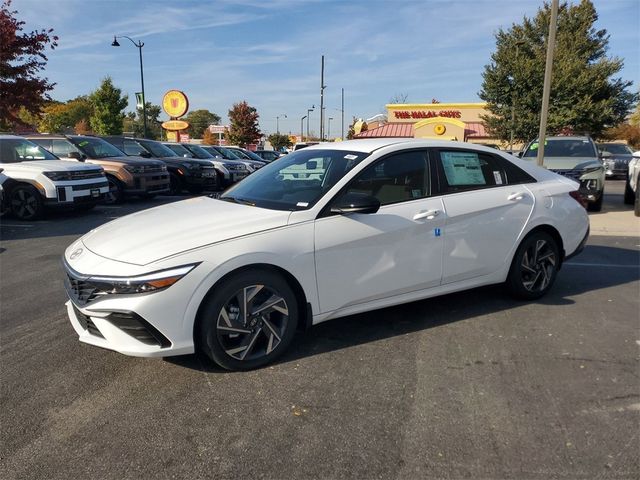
(365, 257)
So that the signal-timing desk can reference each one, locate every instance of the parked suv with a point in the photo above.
(218, 151)
(37, 179)
(126, 175)
(577, 158)
(229, 172)
(615, 157)
(184, 173)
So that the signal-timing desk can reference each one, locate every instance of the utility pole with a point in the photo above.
(546, 91)
(329, 128)
(322, 87)
(342, 110)
(278, 122)
(309, 110)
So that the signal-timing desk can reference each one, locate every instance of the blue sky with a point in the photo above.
(268, 52)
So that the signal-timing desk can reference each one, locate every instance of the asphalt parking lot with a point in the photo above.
(469, 385)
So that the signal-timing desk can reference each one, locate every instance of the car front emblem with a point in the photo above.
(76, 254)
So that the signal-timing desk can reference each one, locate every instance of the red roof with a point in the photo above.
(475, 130)
(389, 130)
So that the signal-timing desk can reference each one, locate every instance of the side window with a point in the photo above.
(513, 174)
(132, 148)
(397, 178)
(43, 142)
(62, 148)
(463, 170)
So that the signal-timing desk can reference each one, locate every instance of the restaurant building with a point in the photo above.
(436, 121)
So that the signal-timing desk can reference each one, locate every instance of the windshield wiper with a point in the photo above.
(241, 201)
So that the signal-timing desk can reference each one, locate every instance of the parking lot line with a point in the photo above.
(613, 265)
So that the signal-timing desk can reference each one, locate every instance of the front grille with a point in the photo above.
(86, 323)
(573, 174)
(236, 168)
(84, 175)
(87, 186)
(154, 169)
(82, 291)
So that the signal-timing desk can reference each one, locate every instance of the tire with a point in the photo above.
(636, 208)
(532, 274)
(238, 344)
(629, 195)
(25, 203)
(597, 205)
(116, 191)
(175, 185)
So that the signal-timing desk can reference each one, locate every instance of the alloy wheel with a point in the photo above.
(538, 264)
(24, 204)
(252, 323)
(112, 195)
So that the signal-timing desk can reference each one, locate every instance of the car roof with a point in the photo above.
(370, 145)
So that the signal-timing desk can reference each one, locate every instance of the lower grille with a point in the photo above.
(133, 324)
(88, 186)
(86, 323)
(573, 174)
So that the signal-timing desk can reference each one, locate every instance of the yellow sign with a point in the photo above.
(175, 103)
(174, 125)
(440, 129)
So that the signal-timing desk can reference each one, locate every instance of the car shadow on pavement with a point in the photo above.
(422, 315)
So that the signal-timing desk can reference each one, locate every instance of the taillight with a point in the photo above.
(578, 198)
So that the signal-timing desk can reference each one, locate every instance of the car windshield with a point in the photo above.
(180, 150)
(13, 150)
(296, 182)
(253, 156)
(231, 155)
(199, 152)
(158, 150)
(239, 153)
(96, 147)
(615, 149)
(566, 147)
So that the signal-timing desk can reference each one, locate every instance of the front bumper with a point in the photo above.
(148, 183)
(70, 194)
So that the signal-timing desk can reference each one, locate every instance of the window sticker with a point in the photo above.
(416, 193)
(497, 177)
(302, 204)
(351, 157)
(462, 168)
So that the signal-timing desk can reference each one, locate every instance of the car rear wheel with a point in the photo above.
(116, 191)
(26, 203)
(249, 320)
(175, 185)
(534, 267)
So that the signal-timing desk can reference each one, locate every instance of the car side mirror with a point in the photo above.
(519, 154)
(355, 203)
(77, 156)
(145, 154)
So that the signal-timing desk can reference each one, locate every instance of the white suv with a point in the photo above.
(632, 187)
(37, 179)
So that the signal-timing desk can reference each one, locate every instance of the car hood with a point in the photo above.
(159, 232)
(570, 163)
(133, 160)
(49, 166)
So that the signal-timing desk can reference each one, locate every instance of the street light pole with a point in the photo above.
(322, 87)
(309, 110)
(278, 122)
(139, 46)
(546, 91)
(302, 128)
(329, 128)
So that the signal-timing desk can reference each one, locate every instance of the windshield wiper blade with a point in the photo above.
(241, 201)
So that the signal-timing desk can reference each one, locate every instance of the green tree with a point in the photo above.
(134, 123)
(199, 121)
(22, 59)
(279, 140)
(108, 106)
(585, 96)
(60, 117)
(243, 129)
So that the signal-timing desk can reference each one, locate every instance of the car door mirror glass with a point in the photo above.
(355, 203)
(76, 156)
(145, 154)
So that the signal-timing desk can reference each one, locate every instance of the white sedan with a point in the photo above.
(327, 231)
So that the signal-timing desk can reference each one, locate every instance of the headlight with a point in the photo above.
(149, 282)
(591, 169)
(134, 169)
(58, 176)
(589, 184)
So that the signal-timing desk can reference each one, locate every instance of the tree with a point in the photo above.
(199, 121)
(584, 95)
(21, 60)
(279, 141)
(134, 123)
(399, 98)
(60, 117)
(82, 127)
(244, 128)
(625, 131)
(108, 105)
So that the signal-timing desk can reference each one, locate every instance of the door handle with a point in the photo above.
(516, 196)
(429, 215)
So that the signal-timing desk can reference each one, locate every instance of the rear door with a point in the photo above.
(487, 205)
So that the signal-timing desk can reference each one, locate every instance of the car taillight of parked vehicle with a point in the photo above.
(578, 198)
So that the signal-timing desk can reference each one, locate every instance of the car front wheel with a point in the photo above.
(534, 267)
(629, 195)
(116, 191)
(249, 320)
(26, 203)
